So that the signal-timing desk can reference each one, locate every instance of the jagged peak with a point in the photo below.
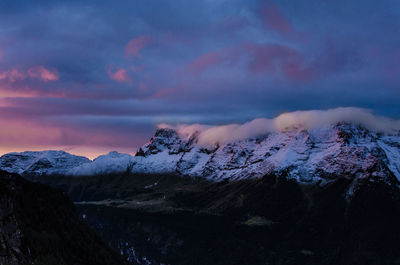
(165, 133)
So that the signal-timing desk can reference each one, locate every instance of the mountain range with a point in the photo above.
(307, 155)
(327, 194)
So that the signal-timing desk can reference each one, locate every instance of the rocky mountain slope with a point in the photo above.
(323, 195)
(314, 155)
(39, 225)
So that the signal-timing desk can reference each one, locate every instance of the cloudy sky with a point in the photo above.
(94, 76)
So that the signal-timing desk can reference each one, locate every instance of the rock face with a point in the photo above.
(315, 155)
(308, 156)
(41, 162)
(39, 225)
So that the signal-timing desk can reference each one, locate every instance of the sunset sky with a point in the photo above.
(89, 77)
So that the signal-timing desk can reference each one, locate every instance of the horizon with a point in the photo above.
(91, 77)
(209, 135)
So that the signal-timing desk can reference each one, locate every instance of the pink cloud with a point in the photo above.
(166, 92)
(120, 75)
(12, 75)
(275, 20)
(134, 46)
(46, 75)
(15, 75)
(273, 59)
(3, 75)
(16, 83)
(279, 59)
(214, 58)
(205, 61)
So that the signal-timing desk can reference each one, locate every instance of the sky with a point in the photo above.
(93, 76)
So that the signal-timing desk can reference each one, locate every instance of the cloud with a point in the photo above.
(12, 75)
(1, 54)
(134, 46)
(317, 118)
(274, 19)
(280, 60)
(46, 75)
(143, 86)
(211, 135)
(88, 136)
(205, 61)
(272, 59)
(120, 75)
(36, 72)
(213, 62)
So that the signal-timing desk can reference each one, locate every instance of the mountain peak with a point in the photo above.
(41, 162)
(165, 133)
(310, 147)
(312, 155)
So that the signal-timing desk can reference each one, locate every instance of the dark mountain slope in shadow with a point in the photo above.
(39, 225)
(166, 219)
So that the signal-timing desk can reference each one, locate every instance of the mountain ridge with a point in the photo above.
(314, 155)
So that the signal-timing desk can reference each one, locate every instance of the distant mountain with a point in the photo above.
(39, 225)
(113, 162)
(41, 162)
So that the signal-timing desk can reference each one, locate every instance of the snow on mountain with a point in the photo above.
(112, 162)
(41, 162)
(63, 163)
(309, 146)
(307, 155)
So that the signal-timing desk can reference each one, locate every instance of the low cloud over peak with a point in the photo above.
(311, 119)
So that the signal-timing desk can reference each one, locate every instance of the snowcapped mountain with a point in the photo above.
(113, 162)
(63, 163)
(314, 155)
(41, 162)
(307, 155)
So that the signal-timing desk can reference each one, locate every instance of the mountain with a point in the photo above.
(315, 155)
(326, 195)
(172, 219)
(113, 162)
(39, 225)
(41, 162)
